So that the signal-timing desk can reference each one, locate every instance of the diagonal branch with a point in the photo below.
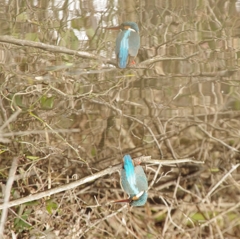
(62, 188)
(52, 48)
(110, 170)
(7, 195)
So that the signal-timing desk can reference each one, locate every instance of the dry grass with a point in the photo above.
(66, 122)
(64, 147)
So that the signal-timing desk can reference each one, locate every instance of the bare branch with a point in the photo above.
(62, 188)
(51, 48)
(7, 195)
(90, 178)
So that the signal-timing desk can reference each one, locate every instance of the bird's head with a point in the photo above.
(125, 26)
(129, 26)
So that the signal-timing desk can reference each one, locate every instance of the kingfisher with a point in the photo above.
(127, 43)
(134, 183)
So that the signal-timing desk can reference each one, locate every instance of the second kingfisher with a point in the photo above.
(134, 182)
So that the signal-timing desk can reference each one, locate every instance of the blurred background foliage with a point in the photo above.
(82, 115)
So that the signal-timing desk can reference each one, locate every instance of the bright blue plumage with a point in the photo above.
(130, 175)
(134, 182)
(123, 48)
(127, 43)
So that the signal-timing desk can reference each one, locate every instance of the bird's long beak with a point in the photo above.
(128, 200)
(113, 28)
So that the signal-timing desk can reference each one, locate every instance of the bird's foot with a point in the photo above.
(132, 63)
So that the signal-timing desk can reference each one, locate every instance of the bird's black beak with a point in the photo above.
(128, 200)
(113, 28)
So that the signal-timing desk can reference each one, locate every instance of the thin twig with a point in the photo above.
(28, 132)
(220, 182)
(6, 123)
(169, 162)
(221, 215)
(218, 140)
(7, 195)
(102, 219)
(155, 176)
(132, 118)
(159, 58)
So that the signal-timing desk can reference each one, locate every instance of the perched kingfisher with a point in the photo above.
(134, 182)
(127, 43)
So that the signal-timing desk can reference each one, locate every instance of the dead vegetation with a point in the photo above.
(67, 121)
